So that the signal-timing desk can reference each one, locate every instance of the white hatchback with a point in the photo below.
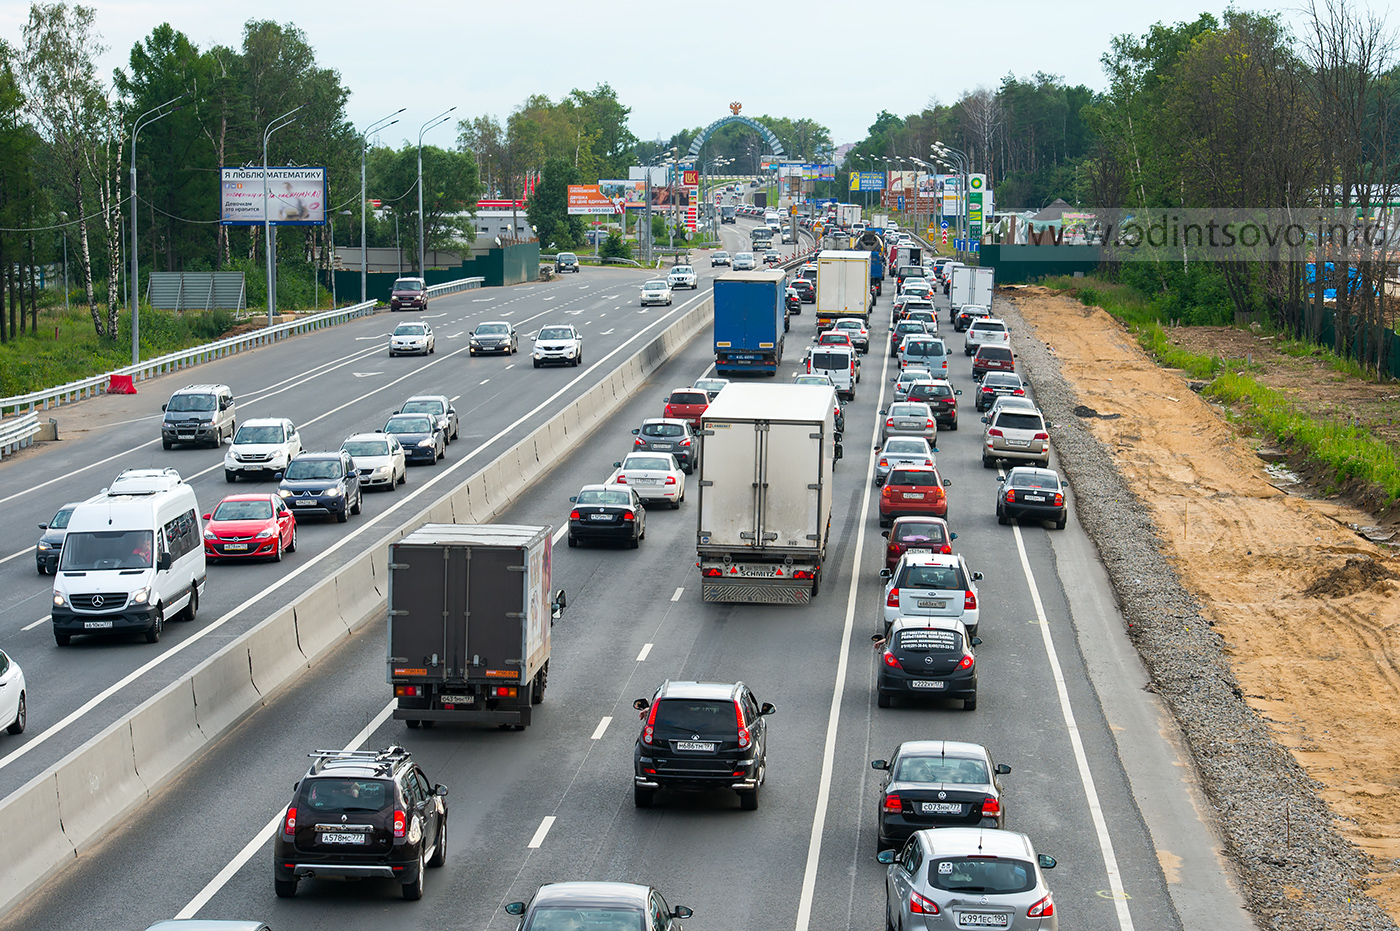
(653, 476)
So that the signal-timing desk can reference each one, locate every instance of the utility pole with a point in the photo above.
(435, 121)
(286, 119)
(364, 139)
(142, 121)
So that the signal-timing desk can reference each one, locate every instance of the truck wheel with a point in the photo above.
(541, 682)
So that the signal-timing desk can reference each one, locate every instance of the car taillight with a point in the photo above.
(891, 660)
(1059, 499)
(1010, 496)
(573, 515)
(1042, 436)
(947, 550)
(1042, 909)
(408, 691)
(884, 463)
(888, 492)
(1019, 392)
(628, 515)
(400, 824)
(289, 824)
(929, 424)
(713, 572)
(649, 731)
(670, 480)
(995, 432)
(969, 600)
(991, 807)
(743, 731)
(987, 389)
(684, 442)
(892, 598)
(622, 480)
(919, 905)
(966, 662)
(893, 804)
(639, 442)
(889, 421)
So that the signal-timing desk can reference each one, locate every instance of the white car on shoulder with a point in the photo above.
(682, 276)
(656, 292)
(380, 459)
(654, 476)
(262, 447)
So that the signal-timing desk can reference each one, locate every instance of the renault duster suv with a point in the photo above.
(361, 814)
(698, 736)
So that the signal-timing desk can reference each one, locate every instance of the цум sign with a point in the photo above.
(297, 195)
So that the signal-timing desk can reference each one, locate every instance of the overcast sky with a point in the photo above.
(676, 66)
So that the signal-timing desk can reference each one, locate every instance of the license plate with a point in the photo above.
(928, 603)
(695, 745)
(908, 423)
(235, 546)
(647, 481)
(916, 495)
(304, 503)
(982, 920)
(940, 808)
(1035, 497)
(342, 838)
(600, 517)
(457, 699)
(918, 549)
(661, 446)
(1018, 442)
(928, 684)
(97, 625)
(758, 572)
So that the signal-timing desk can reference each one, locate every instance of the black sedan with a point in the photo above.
(806, 291)
(493, 336)
(607, 512)
(1027, 491)
(421, 436)
(937, 784)
(600, 905)
(927, 657)
(998, 384)
(50, 545)
(324, 483)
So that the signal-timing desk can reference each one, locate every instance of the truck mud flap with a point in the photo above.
(512, 716)
(753, 592)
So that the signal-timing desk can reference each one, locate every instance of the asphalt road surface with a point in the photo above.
(554, 802)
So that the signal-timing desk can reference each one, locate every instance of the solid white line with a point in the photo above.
(1086, 776)
(46, 617)
(540, 832)
(251, 848)
(602, 726)
(814, 843)
(677, 595)
(646, 651)
(77, 714)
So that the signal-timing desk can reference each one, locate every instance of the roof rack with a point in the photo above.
(388, 756)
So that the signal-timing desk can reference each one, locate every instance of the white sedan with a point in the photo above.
(682, 276)
(14, 713)
(415, 338)
(380, 459)
(656, 292)
(655, 477)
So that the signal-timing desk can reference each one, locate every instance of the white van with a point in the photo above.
(838, 363)
(133, 557)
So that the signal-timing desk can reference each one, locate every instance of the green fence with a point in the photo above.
(1020, 264)
(500, 266)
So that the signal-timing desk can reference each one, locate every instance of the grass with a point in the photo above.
(1121, 300)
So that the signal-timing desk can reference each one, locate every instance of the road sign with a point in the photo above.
(376, 203)
(901, 202)
(943, 225)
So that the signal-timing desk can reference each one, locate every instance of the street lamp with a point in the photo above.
(286, 119)
(382, 124)
(958, 159)
(435, 121)
(142, 121)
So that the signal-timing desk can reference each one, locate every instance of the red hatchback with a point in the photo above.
(917, 535)
(687, 404)
(913, 491)
(250, 527)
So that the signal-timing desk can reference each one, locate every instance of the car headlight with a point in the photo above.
(335, 492)
(265, 534)
(285, 492)
(43, 546)
(209, 534)
(475, 341)
(383, 470)
(58, 601)
(427, 444)
(139, 597)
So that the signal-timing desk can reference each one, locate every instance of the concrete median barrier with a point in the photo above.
(98, 785)
(37, 847)
(165, 733)
(273, 654)
(318, 622)
(223, 689)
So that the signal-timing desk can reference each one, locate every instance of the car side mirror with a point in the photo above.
(681, 912)
(766, 708)
(1003, 770)
(46, 526)
(162, 407)
(1064, 483)
(206, 517)
(947, 483)
(1046, 861)
(957, 391)
(976, 576)
(557, 606)
(952, 536)
(885, 856)
(886, 574)
(573, 499)
(976, 641)
(163, 562)
(637, 432)
(986, 419)
(439, 789)
(1001, 478)
(838, 453)
(879, 764)
(882, 410)
(885, 534)
(641, 704)
(515, 908)
(378, 431)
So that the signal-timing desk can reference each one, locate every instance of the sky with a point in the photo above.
(677, 66)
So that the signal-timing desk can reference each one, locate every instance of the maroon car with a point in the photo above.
(917, 534)
(993, 359)
(687, 404)
(409, 294)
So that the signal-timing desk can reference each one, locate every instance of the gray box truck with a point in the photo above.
(469, 617)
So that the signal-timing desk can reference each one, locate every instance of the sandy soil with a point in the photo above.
(1307, 607)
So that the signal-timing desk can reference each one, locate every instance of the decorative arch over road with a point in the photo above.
(756, 126)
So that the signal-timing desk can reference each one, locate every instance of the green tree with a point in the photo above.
(549, 206)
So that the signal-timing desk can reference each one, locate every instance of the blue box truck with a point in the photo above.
(750, 320)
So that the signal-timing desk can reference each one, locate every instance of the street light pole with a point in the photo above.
(435, 121)
(286, 119)
(382, 124)
(142, 121)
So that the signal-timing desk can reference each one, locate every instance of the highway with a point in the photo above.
(554, 802)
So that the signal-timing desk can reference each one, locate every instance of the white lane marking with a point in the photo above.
(646, 651)
(540, 832)
(80, 712)
(42, 620)
(361, 339)
(507, 313)
(454, 398)
(432, 316)
(251, 849)
(365, 374)
(483, 381)
(602, 726)
(559, 535)
(607, 332)
(814, 843)
(455, 335)
(677, 595)
(1086, 776)
(511, 366)
(478, 300)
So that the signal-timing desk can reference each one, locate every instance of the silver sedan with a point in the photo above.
(903, 451)
(909, 418)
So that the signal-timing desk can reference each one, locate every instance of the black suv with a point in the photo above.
(566, 262)
(701, 735)
(325, 483)
(361, 814)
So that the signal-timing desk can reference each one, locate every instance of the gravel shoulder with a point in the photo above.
(1269, 628)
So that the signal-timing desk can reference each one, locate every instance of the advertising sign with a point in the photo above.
(630, 193)
(766, 162)
(976, 189)
(690, 177)
(587, 199)
(867, 181)
(297, 195)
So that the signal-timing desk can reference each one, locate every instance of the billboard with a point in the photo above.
(690, 177)
(587, 200)
(867, 181)
(297, 195)
(630, 193)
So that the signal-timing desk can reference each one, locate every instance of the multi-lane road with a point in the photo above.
(1094, 781)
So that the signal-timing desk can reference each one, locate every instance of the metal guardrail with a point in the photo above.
(170, 362)
(452, 287)
(18, 433)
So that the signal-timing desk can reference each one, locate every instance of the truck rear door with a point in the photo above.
(731, 470)
(791, 485)
(419, 591)
(495, 617)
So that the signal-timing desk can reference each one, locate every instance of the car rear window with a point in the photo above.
(919, 392)
(944, 769)
(929, 640)
(1005, 379)
(918, 532)
(689, 397)
(988, 325)
(1035, 480)
(994, 354)
(942, 578)
(333, 794)
(647, 464)
(1014, 420)
(924, 347)
(604, 497)
(907, 446)
(699, 716)
(830, 360)
(986, 876)
(662, 429)
(914, 477)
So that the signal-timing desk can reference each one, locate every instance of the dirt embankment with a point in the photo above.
(1305, 609)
